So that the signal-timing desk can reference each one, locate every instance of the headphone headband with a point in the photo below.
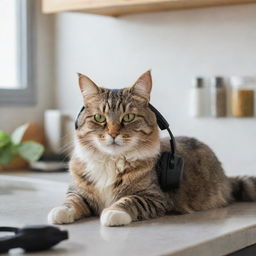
(164, 125)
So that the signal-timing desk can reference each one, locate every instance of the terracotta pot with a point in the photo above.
(35, 133)
(17, 163)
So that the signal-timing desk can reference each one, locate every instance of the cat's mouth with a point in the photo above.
(114, 143)
(113, 146)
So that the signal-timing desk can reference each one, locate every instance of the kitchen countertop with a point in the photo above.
(53, 176)
(26, 198)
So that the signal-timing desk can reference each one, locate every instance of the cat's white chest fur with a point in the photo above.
(102, 171)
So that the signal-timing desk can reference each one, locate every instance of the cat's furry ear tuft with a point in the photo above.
(87, 86)
(143, 86)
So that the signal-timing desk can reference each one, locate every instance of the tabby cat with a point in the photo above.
(116, 147)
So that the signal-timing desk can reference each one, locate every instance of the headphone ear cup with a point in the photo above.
(161, 167)
(169, 171)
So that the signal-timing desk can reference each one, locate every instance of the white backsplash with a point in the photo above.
(177, 46)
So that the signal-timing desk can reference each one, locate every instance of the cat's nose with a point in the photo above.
(113, 134)
(113, 130)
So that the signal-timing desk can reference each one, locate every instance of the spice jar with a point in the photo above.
(218, 97)
(197, 97)
(242, 96)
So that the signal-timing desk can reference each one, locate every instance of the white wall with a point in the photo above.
(13, 116)
(177, 46)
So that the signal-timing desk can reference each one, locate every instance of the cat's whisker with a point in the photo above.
(67, 148)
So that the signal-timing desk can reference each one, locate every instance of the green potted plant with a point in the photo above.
(13, 147)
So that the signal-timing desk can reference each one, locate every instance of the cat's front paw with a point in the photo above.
(111, 218)
(61, 215)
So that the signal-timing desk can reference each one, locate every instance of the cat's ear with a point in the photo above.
(143, 86)
(87, 86)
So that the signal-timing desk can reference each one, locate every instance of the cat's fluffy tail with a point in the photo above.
(243, 188)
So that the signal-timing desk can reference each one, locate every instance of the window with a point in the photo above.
(16, 84)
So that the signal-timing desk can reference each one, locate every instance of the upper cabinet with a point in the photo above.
(119, 7)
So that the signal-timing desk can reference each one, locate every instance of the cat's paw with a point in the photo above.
(61, 215)
(111, 218)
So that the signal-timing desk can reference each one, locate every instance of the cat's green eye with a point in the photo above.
(128, 117)
(99, 118)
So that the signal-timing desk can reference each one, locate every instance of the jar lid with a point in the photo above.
(242, 80)
(217, 81)
(198, 82)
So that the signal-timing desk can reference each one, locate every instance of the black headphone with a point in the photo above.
(169, 166)
(31, 238)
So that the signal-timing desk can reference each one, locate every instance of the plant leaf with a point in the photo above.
(30, 150)
(4, 139)
(18, 133)
(7, 153)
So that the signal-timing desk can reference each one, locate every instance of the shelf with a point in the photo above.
(120, 7)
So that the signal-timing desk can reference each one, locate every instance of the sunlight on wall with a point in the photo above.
(8, 47)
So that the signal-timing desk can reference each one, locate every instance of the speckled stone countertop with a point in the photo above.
(26, 198)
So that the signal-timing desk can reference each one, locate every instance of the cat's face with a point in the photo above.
(118, 121)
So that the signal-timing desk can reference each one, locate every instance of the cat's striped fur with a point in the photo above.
(113, 164)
